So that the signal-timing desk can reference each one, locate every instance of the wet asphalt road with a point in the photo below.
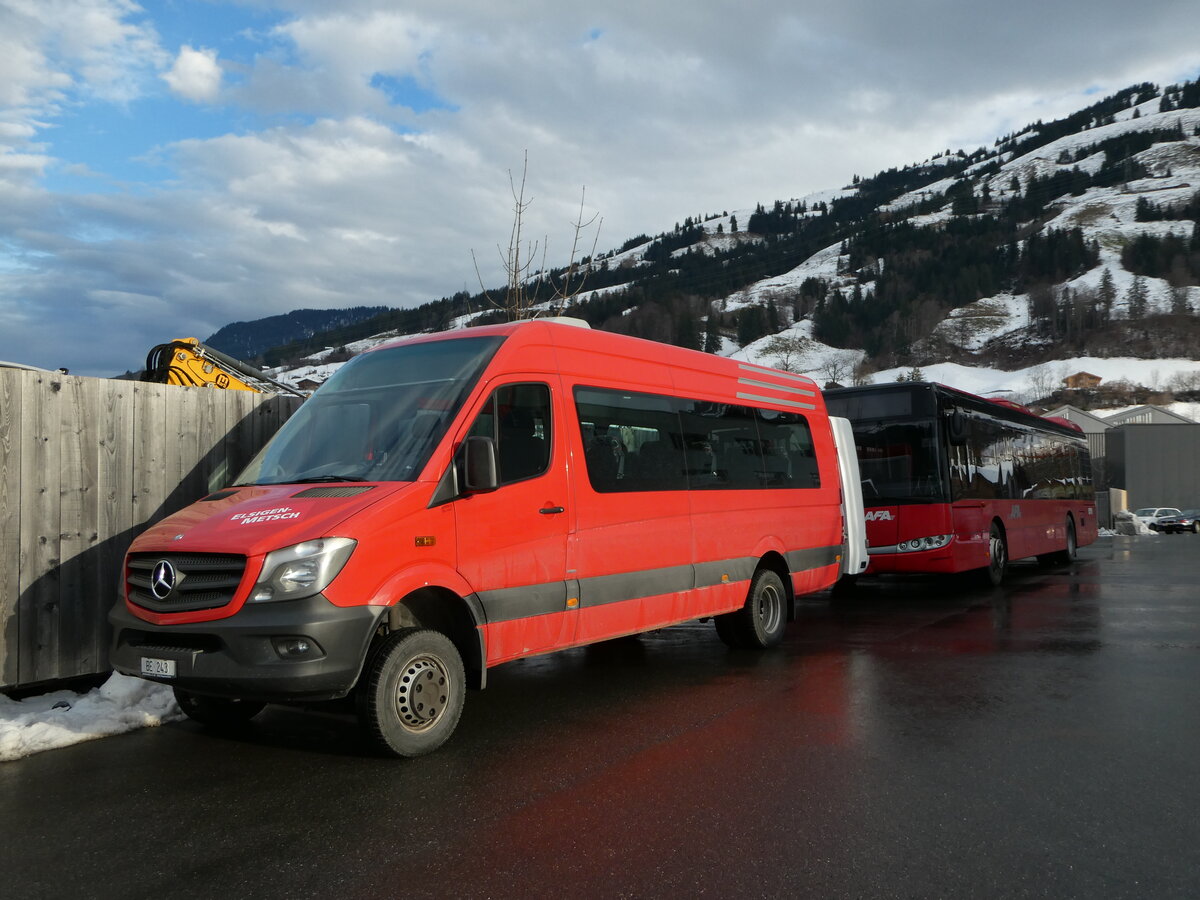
(929, 739)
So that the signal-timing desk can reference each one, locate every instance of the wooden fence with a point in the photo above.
(87, 464)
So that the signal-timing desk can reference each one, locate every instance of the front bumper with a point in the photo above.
(237, 656)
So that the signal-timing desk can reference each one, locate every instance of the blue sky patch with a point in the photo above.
(405, 91)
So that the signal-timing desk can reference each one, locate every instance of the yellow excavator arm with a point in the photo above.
(189, 363)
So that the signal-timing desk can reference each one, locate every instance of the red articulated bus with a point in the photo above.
(453, 501)
(954, 482)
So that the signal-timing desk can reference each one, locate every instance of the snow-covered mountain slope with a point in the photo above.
(1124, 171)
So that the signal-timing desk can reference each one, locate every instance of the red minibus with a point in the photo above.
(953, 482)
(453, 501)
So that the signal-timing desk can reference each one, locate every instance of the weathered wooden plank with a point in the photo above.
(149, 454)
(78, 513)
(14, 386)
(40, 527)
(114, 489)
(210, 424)
(188, 452)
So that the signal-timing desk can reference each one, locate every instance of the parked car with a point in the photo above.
(1188, 520)
(1153, 515)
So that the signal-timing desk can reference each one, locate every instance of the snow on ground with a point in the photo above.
(63, 718)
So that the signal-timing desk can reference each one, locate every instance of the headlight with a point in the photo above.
(924, 543)
(302, 570)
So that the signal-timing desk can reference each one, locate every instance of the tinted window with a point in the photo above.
(898, 462)
(517, 418)
(648, 442)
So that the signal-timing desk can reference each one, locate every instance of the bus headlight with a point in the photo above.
(933, 542)
(301, 570)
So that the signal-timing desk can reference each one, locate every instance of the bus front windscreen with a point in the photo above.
(378, 418)
(899, 462)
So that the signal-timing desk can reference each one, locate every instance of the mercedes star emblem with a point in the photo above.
(162, 581)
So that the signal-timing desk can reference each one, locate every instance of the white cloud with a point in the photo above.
(196, 75)
(333, 192)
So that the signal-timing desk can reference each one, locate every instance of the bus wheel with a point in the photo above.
(761, 620)
(411, 699)
(1067, 556)
(997, 556)
(217, 711)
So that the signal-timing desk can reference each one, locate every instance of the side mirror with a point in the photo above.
(479, 465)
(956, 427)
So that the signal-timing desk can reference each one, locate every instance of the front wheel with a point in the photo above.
(997, 565)
(217, 712)
(411, 699)
(761, 620)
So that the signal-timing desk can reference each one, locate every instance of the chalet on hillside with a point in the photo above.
(1082, 381)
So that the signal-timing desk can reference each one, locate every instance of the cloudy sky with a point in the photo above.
(169, 166)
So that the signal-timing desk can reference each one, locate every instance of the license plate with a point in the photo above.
(159, 668)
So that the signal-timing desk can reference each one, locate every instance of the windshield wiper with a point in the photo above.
(310, 480)
(315, 478)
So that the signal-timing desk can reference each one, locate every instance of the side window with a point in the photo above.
(517, 418)
(790, 459)
(649, 442)
(631, 441)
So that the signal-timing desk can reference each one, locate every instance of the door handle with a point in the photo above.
(551, 510)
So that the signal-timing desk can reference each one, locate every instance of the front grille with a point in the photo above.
(202, 580)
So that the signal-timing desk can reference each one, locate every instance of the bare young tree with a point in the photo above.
(787, 351)
(523, 283)
(569, 287)
(836, 367)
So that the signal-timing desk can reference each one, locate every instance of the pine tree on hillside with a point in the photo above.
(1107, 296)
(712, 336)
(1136, 298)
(752, 324)
(686, 333)
(1179, 299)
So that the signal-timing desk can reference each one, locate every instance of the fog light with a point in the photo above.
(297, 648)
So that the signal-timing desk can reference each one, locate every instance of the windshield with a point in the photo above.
(378, 418)
(899, 462)
(1146, 512)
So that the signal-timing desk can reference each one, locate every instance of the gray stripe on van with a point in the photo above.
(634, 585)
(812, 558)
(782, 388)
(742, 395)
(543, 599)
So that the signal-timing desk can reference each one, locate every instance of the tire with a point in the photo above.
(412, 697)
(217, 712)
(997, 565)
(761, 621)
(1196, 528)
(1067, 555)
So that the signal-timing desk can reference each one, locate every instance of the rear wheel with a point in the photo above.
(997, 565)
(1066, 556)
(217, 711)
(411, 699)
(761, 620)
